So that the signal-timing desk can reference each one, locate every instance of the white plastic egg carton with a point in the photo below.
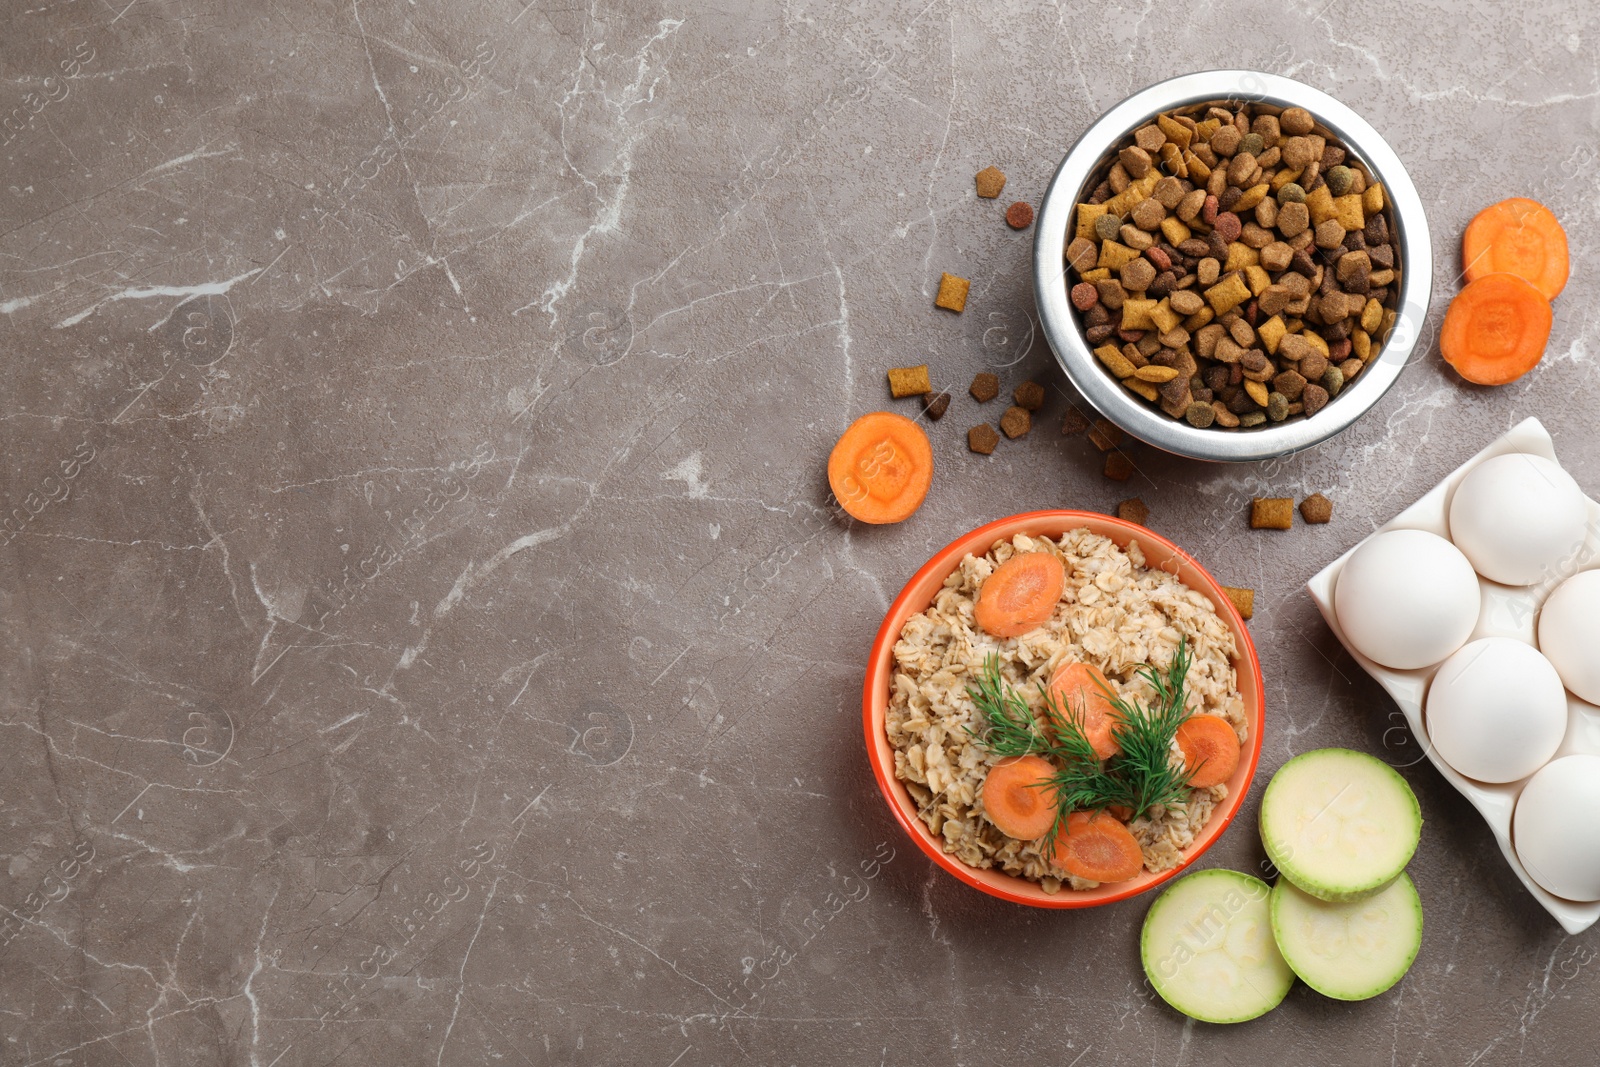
(1506, 612)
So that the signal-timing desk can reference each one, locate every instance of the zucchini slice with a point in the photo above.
(1208, 949)
(1351, 950)
(1339, 824)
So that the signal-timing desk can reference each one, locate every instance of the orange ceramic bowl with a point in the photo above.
(919, 593)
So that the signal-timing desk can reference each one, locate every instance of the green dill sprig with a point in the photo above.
(1137, 778)
(1009, 728)
(1145, 736)
(1083, 781)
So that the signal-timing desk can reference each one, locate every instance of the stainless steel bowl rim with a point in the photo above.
(1058, 319)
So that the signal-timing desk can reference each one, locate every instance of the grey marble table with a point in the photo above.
(425, 637)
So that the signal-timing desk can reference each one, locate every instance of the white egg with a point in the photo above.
(1497, 710)
(1569, 633)
(1518, 518)
(1554, 830)
(1407, 599)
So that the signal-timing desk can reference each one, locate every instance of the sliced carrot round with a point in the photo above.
(1020, 594)
(1517, 236)
(1097, 847)
(881, 468)
(1081, 691)
(1210, 749)
(1495, 329)
(1018, 797)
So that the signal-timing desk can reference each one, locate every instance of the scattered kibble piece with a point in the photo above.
(1200, 414)
(1144, 389)
(1119, 468)
(909, 381)
(1295, 121)
(1082, 253)
(985, 387)
(1019, 216)
(1074, 422)
(1029, 395)
(1243, 599)
(935, 405)
(952, 292)
(1257, 392)
(1316, 508)
(1135, 511)
(1105, 434)
(982, 439)
(1184, 301)
(1272, 513)
(1114, 360)
(990, 180)
(1016, 422)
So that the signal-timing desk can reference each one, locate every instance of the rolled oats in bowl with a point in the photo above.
(1114, 613)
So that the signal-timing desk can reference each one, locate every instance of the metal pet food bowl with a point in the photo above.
(1075, 179)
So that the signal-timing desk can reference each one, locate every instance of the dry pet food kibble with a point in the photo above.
(1316, 508)
(1016, 422)
(990, 180)
(1105, 434)
(1234, 265)
(935, 405)
(1272, 513)
(985, 387)
(1019, 216)
(1135, 511)
(1243, 599)
(909, 381)
(1119, 468)
(982, 439)
(1075, 422)
(952, 292)
(1029, 395)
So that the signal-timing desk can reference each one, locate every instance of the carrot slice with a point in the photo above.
(1020, 594)
(1081, 691)
(1210, 749)
(1495, 329)
(1517, 236)
(881, 468)
(1018, 797)
(1097, 847)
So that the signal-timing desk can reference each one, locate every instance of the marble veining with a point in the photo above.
(425, 636)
